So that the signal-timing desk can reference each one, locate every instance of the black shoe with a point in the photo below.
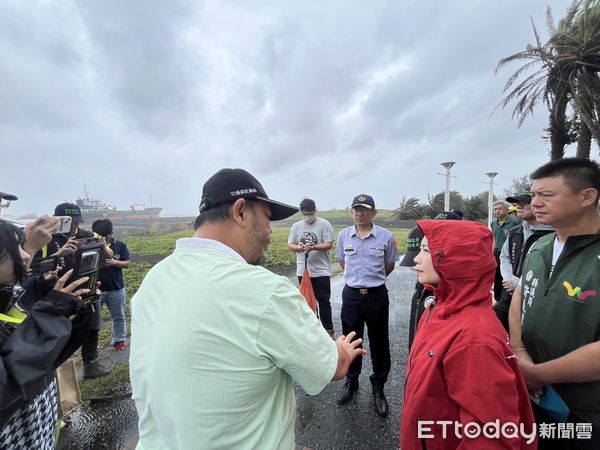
(381, 404)
(348, 392)
(95, 370)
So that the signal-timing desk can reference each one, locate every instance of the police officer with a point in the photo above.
(367, 253)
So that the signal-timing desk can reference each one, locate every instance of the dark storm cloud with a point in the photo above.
(324, 100)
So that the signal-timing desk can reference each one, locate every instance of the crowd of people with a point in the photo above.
(53, 283)
(504, 334)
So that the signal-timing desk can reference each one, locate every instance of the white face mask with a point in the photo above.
(308, 218)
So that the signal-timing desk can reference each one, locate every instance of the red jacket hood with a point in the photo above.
(460, 367)
(462, 254)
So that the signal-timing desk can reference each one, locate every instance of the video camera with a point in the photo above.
(46, 264)
(88, 259)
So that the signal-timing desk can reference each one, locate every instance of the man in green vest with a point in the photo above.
(555, 312)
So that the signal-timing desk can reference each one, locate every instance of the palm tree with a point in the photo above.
(409, 209)
(476, 207)
(566, 81)
(544, 85)
(576, 41)
(435, 203)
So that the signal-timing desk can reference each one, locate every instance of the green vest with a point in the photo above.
(500, 232)
(561, 312)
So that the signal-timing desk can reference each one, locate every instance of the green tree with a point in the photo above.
(576, 41)
(476, 207)
(409, 209)
(521, 184)
(435, 203)
(565, 78)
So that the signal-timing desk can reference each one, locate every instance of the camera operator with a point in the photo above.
(66, 245)
(113, 286)
(33, 341)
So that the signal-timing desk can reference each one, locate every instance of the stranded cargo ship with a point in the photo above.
(92, 209)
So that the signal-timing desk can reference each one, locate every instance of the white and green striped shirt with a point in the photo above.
(216, 343)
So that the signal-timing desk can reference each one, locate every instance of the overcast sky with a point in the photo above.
(316, 99)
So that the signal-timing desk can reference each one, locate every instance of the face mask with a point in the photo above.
(309, 218)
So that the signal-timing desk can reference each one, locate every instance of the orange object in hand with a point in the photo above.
(307, 290)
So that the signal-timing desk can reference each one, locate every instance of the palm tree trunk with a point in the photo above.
(558, 131)
(584, 143)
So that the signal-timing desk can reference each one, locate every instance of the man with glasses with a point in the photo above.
(367, 253)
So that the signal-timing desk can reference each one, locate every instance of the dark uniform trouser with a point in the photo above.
(89, 348)
(371, 309)
(322, 288)
(502, 308)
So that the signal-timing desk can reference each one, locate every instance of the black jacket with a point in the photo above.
(36, 347)
(518, 249)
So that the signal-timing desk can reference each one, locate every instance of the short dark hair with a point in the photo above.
(103, 227)
(219, 213)
(579, 173)
(11, 238)
(308, 204)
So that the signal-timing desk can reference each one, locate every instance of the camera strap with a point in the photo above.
(13, 316)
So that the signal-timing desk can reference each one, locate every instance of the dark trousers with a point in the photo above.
(371, 309)
(572, 443)
(498, 277)
(417, 308)
(322, 288)
(89, 348)
(502, 307)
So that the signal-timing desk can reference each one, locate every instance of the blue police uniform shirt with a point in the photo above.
(111, 277)
(365, 259)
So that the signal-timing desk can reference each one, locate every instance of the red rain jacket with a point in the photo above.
(460, 367)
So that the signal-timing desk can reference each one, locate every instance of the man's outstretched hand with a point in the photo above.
(347, 351)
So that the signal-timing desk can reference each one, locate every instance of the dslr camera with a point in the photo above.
(89, 258)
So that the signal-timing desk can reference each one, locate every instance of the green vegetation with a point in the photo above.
(343, 214)
(133, 278)
(154, 244)
(117, 382)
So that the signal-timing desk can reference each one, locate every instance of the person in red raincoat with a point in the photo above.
(461, 370)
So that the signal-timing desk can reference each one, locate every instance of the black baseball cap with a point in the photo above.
(69, 209)
(447, 215)
(363, 200)
(413, 240)
(413, 247)
(227, 185)
(9, 197)
(523, 197)
(459, 213)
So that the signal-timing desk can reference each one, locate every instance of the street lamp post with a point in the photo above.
(5, 200)
(491, 176)
(447, 165)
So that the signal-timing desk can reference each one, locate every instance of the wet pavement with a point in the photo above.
(322, 423)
